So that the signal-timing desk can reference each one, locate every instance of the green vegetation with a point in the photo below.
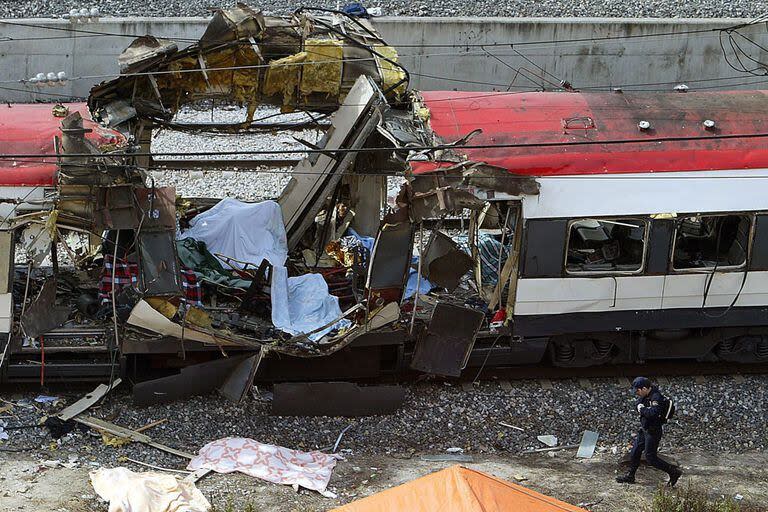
(690, 499)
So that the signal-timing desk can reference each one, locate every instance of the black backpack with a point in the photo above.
(666, 408)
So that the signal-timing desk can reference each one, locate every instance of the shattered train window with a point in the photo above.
(709, 241)
(615, 245)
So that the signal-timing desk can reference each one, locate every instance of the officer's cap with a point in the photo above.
(641, 382)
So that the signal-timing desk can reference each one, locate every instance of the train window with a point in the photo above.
(709, 241)
(606, 246)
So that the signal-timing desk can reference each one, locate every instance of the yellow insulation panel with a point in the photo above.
(323, 67)
(283, 77)
(390, 74)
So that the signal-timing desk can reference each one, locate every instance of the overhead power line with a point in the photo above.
(439, 147)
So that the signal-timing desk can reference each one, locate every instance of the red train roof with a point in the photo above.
(563, 117)
(29, 129)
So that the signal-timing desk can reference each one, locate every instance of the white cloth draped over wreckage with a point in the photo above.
(248, 233)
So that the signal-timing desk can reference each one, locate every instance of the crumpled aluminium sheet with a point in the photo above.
(302, 304)
(127, 491)
(311, 470)
(248, 232)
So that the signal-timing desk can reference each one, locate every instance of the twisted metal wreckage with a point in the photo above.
(144, 285)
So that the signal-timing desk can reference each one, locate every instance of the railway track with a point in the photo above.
(623, 373)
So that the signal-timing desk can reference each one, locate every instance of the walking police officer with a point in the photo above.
(651, 405)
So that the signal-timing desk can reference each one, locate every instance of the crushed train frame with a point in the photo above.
(562, 228)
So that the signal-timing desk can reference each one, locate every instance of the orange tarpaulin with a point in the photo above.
(458, 489)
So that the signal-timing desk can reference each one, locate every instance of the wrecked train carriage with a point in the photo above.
(308, 61)
(642, 238)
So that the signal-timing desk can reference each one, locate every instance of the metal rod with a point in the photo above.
(418, 280)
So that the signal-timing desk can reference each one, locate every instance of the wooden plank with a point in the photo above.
(467, 386)
(197, 475)
(505, 385)
(117, 430)
(87, 401)
(623, 382)
(585, 383)
(738, 378)
(663, 381)
(700, 379)
(546, 384)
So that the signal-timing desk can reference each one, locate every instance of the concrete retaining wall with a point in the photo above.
(442, 53)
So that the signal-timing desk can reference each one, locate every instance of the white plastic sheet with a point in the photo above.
(249, 232)
(302, 304)
(127, 491)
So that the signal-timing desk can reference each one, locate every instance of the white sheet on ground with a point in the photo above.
(248, 232)
(127, 491)
(311, 470)
(302, 304)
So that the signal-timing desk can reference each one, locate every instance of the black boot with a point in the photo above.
(629, 478)
(674, 476)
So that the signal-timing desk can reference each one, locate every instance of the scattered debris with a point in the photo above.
(338, 439)
(554, 448)
(116, 430)
(587, 445)
(45, 399)
(447, 457)
(511, 426)
(87, 401)
(548, 440)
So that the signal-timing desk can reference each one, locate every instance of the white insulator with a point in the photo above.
(94, 12)
(74, 13)
(40, 77)
(84, 12)
(62, 76)
(52, 77)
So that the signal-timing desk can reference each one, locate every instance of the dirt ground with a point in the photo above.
(24, 486)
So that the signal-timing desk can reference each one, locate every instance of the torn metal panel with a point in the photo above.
(43, 315)
(157, 207)
(391, 257)
(335, 399)
(159, 268)
(236, 386)
(445, 348)
(88, 400)
(441, 201)
(587, 445)
(36, 240)
(145, 317)
(115, 208)
(444, 262)
(315, 178)
(385, 315)
(144, 52)
(193, 380)
(496, 179)
(239, 22)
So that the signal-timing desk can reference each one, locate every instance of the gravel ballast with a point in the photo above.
(514, 8)
(720, 415)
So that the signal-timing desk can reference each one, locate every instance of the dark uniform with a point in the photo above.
(649, 435)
